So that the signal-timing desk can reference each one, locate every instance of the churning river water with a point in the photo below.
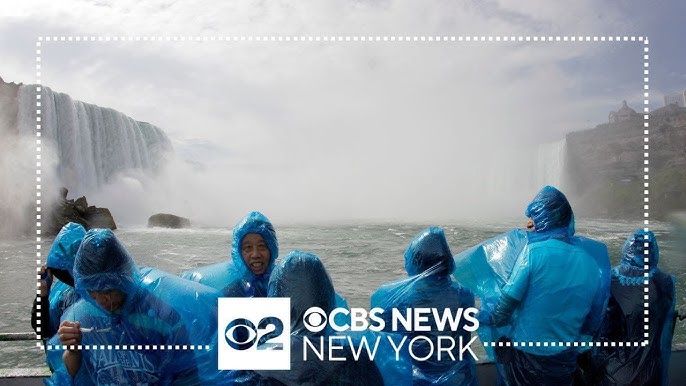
(359, 258)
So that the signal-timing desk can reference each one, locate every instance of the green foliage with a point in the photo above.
(667, 193)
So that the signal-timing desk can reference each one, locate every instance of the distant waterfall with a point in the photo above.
(92, 143)
(550, 164)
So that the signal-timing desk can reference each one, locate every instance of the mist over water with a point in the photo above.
(130, 168)
(350, 139)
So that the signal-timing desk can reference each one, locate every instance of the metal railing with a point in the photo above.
(17, 336)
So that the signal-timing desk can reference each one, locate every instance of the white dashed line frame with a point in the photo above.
(643, 41)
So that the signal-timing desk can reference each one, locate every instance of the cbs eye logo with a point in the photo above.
(314, 319)
(254, 334)
(241, 334)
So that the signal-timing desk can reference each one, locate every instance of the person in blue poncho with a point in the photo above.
(57, 295)
(302, 277)
(254, 249)
(429, 264)
(626, 319)
(548, 297)
(116, 310)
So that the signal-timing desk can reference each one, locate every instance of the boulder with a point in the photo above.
(78, 211)
(165, 220)
(99, 218)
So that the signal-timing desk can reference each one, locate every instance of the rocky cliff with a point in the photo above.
(605, 166)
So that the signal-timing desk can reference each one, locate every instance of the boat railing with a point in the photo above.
(484, 368)
(17, 336)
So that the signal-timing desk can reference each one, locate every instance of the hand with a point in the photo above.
(70, 334)
(681, 312)
(43, 283)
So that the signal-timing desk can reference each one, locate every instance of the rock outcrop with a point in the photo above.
(165, 220)
(78, 211)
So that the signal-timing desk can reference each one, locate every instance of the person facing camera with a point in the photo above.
(254, 249)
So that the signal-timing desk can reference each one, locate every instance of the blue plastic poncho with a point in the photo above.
(234, 277)
(429, 263)
(62, 295)
(61, 262)
(626, 319)
(302, 277)
(197, 305)
(520, 276)
(550, 210)
(142, 319)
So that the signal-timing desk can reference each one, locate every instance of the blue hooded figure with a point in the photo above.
(302, 277)
(551, 212)
(131, 335)
(254, 249)
(429, 264)
(60, 263)
(626, 319)
(551, 295)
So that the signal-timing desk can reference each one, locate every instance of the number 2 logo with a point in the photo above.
(241, 334)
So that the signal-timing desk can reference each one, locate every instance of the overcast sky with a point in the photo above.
(343, 130)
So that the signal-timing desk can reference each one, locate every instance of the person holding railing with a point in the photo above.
(117, 309)
(637, 282)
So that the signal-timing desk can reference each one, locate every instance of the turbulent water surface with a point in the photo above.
(359, 258)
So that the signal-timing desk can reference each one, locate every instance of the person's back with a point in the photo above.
(556, 297)
(429, 263)
(302, 277)
(626, 319)
(549, 298)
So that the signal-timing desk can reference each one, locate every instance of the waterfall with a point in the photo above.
(92, 144)
(550, 164)
(512, 176)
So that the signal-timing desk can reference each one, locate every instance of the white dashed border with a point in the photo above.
(250, 38)
(646, 186)
(138, 347)
(39, 256)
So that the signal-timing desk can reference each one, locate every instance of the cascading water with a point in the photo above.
(514, 175)
(86, 148)
(92, 143)
(550, 164)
